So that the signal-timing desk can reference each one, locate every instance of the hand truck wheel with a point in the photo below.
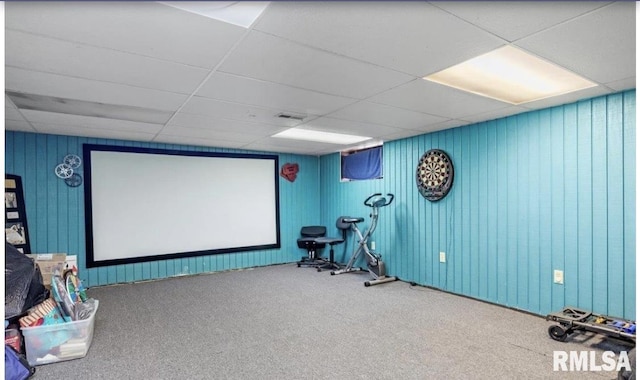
(557, 333)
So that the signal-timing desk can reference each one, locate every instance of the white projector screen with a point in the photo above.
(152, 204)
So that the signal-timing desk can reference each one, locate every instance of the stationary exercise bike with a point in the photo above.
(374, 261)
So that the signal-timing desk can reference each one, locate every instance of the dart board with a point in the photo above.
(434, 175)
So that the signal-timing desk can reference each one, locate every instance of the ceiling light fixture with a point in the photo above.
(510, 75)
(25, 101)
(320, 136)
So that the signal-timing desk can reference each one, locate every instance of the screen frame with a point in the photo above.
(92, 261)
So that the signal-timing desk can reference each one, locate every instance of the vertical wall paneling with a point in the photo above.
(585, 211)
(395, 239)
(470, 229)
(441, 221)
(545, 190)
(466, 190)
(421, 263)
(512, 212)
(544, 225)
(615, 206)
(455, 261)
(570, 190)
(9, 142)
(523, 192)
(629, 210)
(392, 232)
(599, 203)
(501, 201)
(556, 177)
(483, 231)
(492, 213)
(43, 176)
(534, 211)
(450, 219)
(56, 211)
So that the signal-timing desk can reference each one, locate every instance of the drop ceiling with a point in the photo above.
(146, 71)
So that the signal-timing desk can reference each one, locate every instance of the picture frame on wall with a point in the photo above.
(15, 234)
(16, 228)
(10, 200)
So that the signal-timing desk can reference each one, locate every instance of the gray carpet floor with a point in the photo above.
(284, 322)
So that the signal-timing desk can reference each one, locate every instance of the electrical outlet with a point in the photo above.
(558, 277)
(373, 245)
(443, 257)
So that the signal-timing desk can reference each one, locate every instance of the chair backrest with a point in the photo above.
(313, 231)
(342, 225)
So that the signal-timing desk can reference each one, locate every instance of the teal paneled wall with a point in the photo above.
(543, 190)
(55, 212)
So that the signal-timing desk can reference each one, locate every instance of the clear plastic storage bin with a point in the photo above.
(55, 343)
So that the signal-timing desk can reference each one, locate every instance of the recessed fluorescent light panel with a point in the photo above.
(241, 13)
(319, 136)
(83, 108)
(510, 75)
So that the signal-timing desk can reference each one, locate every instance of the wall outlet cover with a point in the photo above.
(558, 277)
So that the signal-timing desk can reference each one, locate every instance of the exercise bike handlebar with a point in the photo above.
(379, 202)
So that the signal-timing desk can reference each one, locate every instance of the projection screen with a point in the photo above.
(155, 204)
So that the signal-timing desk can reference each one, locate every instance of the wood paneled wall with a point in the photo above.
(536, 192)
(55, 212)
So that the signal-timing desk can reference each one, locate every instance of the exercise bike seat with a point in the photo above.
(352, 220)
(329, 240)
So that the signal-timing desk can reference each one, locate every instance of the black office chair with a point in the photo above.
(308, 241)
(342, 226)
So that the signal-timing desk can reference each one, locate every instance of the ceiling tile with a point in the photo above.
(567, 98)
(7, 101)
(491, 115)
(294, 146)
(88, 62)
(622, 84)
(286, 62)
(367, 112)
(202, 122)
(435, 99)
(412, 37)
(18, 125)
(11, 113)
(228, 110)
(225, 134)
(601, 59)
(402, 134)
(444, 125)
(270, 95)
(242, 13)
(35, 82)
(142, 27)
(197, 141)
(513, 20)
